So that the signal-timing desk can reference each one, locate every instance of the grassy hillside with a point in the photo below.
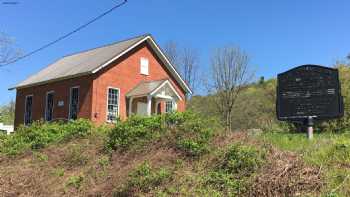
(178, 154)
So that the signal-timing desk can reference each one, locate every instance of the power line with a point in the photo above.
(66, 35)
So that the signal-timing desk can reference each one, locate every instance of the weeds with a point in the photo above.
(234, 167)
(75, 181)
(59, 172)
(40, 156)
(144, 179)
(75, 156)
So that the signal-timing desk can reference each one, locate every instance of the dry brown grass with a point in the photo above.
(284, 174)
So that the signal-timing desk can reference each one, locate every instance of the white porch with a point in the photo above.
(152, 97)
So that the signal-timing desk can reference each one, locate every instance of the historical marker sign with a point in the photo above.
(309, 91)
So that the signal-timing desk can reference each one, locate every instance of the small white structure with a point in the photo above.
(8, 129)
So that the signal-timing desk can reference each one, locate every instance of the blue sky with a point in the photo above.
(277, 34)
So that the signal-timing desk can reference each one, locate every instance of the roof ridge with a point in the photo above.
(106, 45)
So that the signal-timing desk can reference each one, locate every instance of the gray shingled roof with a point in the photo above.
(145, 87)
(80, 63)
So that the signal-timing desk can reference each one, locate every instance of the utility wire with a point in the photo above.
(66, 35)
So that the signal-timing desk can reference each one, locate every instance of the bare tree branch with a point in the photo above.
(230, 73)
(172, 52)
(8, 51)
(185, 60)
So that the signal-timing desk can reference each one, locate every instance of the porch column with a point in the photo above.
(130, 106)
(149, 105)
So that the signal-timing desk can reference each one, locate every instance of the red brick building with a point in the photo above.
(102, 84)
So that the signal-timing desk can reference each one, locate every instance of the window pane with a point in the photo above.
(169, 106)
(74, 103)
(112, 104)
(49, 107)
(28, 110)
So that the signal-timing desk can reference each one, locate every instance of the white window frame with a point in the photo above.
(172, 106)
(25, 109)
(53, 106)
(107, 95)
(144, 60)
(70, 101)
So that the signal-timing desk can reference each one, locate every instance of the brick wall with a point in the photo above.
(61, 93)
(125, 75)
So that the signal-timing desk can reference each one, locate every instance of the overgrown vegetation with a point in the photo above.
(143, 179)
(329, 152)
(40, 134)
(235, 168)
(188, 131)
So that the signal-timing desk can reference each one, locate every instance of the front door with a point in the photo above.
(141, 109)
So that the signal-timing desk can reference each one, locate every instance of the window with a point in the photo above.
(74, 103)
(28, 110)
(49, 106)
(112, 104)
(144, 66)
(168, 106)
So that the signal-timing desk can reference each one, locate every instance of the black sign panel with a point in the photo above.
(309, 90)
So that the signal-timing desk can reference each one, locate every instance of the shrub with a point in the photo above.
(134, 130)
(242, 159)
(40, 134)
(192, 147)
(191, 133)
(144, 179)
(224, 182)
(235, 166)
(75, 181)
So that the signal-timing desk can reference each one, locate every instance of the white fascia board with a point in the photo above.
(172, 68)
(171, 87)
(157, 49)
(119, 55)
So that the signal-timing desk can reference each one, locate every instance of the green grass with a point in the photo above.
(328, 151)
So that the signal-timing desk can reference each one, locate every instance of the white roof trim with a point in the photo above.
(119, 55)
(171, 87)
(154, 46)
(170, 65)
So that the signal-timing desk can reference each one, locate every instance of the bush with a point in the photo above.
(242, 159)
(143, 179)
(133, 131)
(192, 147)
(225, 182)
(75, 181)
(192, 133)
(235, 166)
(40, 134)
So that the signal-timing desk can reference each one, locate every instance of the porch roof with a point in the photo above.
(145, 88)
